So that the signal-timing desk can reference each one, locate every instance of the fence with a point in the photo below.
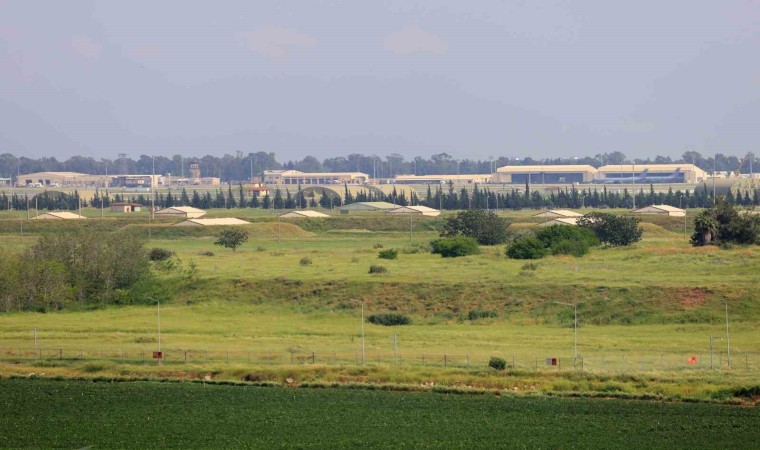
(519, 361)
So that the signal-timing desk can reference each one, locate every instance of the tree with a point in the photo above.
(705, 228)
(567, 240)
(232, 238)
(612, 230)
(723, 224)
(485, 226)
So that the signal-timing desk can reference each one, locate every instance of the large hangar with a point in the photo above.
(653, 173)
(544, 174)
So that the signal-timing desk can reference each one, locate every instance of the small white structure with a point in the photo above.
(661, 210)
(181, 211)
(415, 210)
(60, 215)
(211, 222)
(555, 213)
(561, 221)
(303, 213)
(126, 207)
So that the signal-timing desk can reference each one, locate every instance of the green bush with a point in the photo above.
(390, 253)
(485, 226)
(612, 230)
(567, 240)
(377, 269)
(526, 248)
(454, 247)
(530, 266)
(476, 314)
(497, 363)
(388, 319)
(159, 254)
(305, 261)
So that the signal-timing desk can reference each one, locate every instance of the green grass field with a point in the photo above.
(260, 313)
(70, 414)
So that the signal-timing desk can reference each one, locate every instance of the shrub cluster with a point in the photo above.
(567, 240)
(485, 226)
(476, 314)
(453, 247)
(527, 247)
(390, 253)
(159, 254)
(377, 269)
(305, 261)
(497, 363)
(612, 230)
(388, 319)
(724, 225)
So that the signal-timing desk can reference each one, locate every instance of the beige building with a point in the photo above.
(303, 213)
(230, 221)
(415, 210)
(58, 215)
(661, 210)
(186, 212)
(689, 173)
(544, 174)
(54, 179)
(298, 177)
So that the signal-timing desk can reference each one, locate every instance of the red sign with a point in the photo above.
(158, 355)
(691, 360)
(551, 361)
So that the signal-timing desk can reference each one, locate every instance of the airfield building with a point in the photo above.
(415, 211)
(557, 213)
(544, 174)
(367, 207)
(229, 221)
(126, 207)
(303, 213)
(298, 177)
(688, 173)
(661, 210)
(442, 179)
(58, 215)
(186, 212)
(561, 221)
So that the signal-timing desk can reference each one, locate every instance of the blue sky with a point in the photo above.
(326, 78)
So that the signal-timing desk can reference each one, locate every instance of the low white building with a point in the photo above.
(367, 206)
(58, 215)
(415, 210)
(187, 212)
(561, 221)
(661, 210)
(298, 214)
(556, 213)
(211, 222)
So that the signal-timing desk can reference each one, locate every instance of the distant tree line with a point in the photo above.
(442, 197)
(245, 166)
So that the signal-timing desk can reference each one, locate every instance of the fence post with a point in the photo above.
(60, 353)
(661, 362)
(468, 360)
(746, 361)
(185, 356)
(445, 361)
(313, 357)
(122, 355)
(559, 364)
(228, 356)
(513, 361)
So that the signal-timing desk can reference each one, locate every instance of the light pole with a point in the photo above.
(575, 328)
(362, 332)
(711, 350)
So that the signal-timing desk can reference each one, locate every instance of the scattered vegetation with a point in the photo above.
(159, 254)
(305, 261)
(477, 314)
(723, 224)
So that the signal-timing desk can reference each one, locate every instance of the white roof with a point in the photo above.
(61, 215)
(184, 209)
(547, 168)
(370, 205)
(218, 221)
(422, 209)
(667, 208)
(652, 168)
(558, 213)
(562, 221)
(304, 213)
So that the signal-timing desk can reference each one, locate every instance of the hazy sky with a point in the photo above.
(471, 78)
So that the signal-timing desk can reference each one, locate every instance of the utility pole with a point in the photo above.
(158, 315)
(728, 340)
(714, 156)
(362, 332)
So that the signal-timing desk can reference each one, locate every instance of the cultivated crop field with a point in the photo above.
(71, 414)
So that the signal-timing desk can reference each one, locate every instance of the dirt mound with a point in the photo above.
(652, 230)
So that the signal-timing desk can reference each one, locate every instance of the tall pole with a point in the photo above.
(633, 184)
(728, 340)
(158, 315)
(714, 179)
(362, 333)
